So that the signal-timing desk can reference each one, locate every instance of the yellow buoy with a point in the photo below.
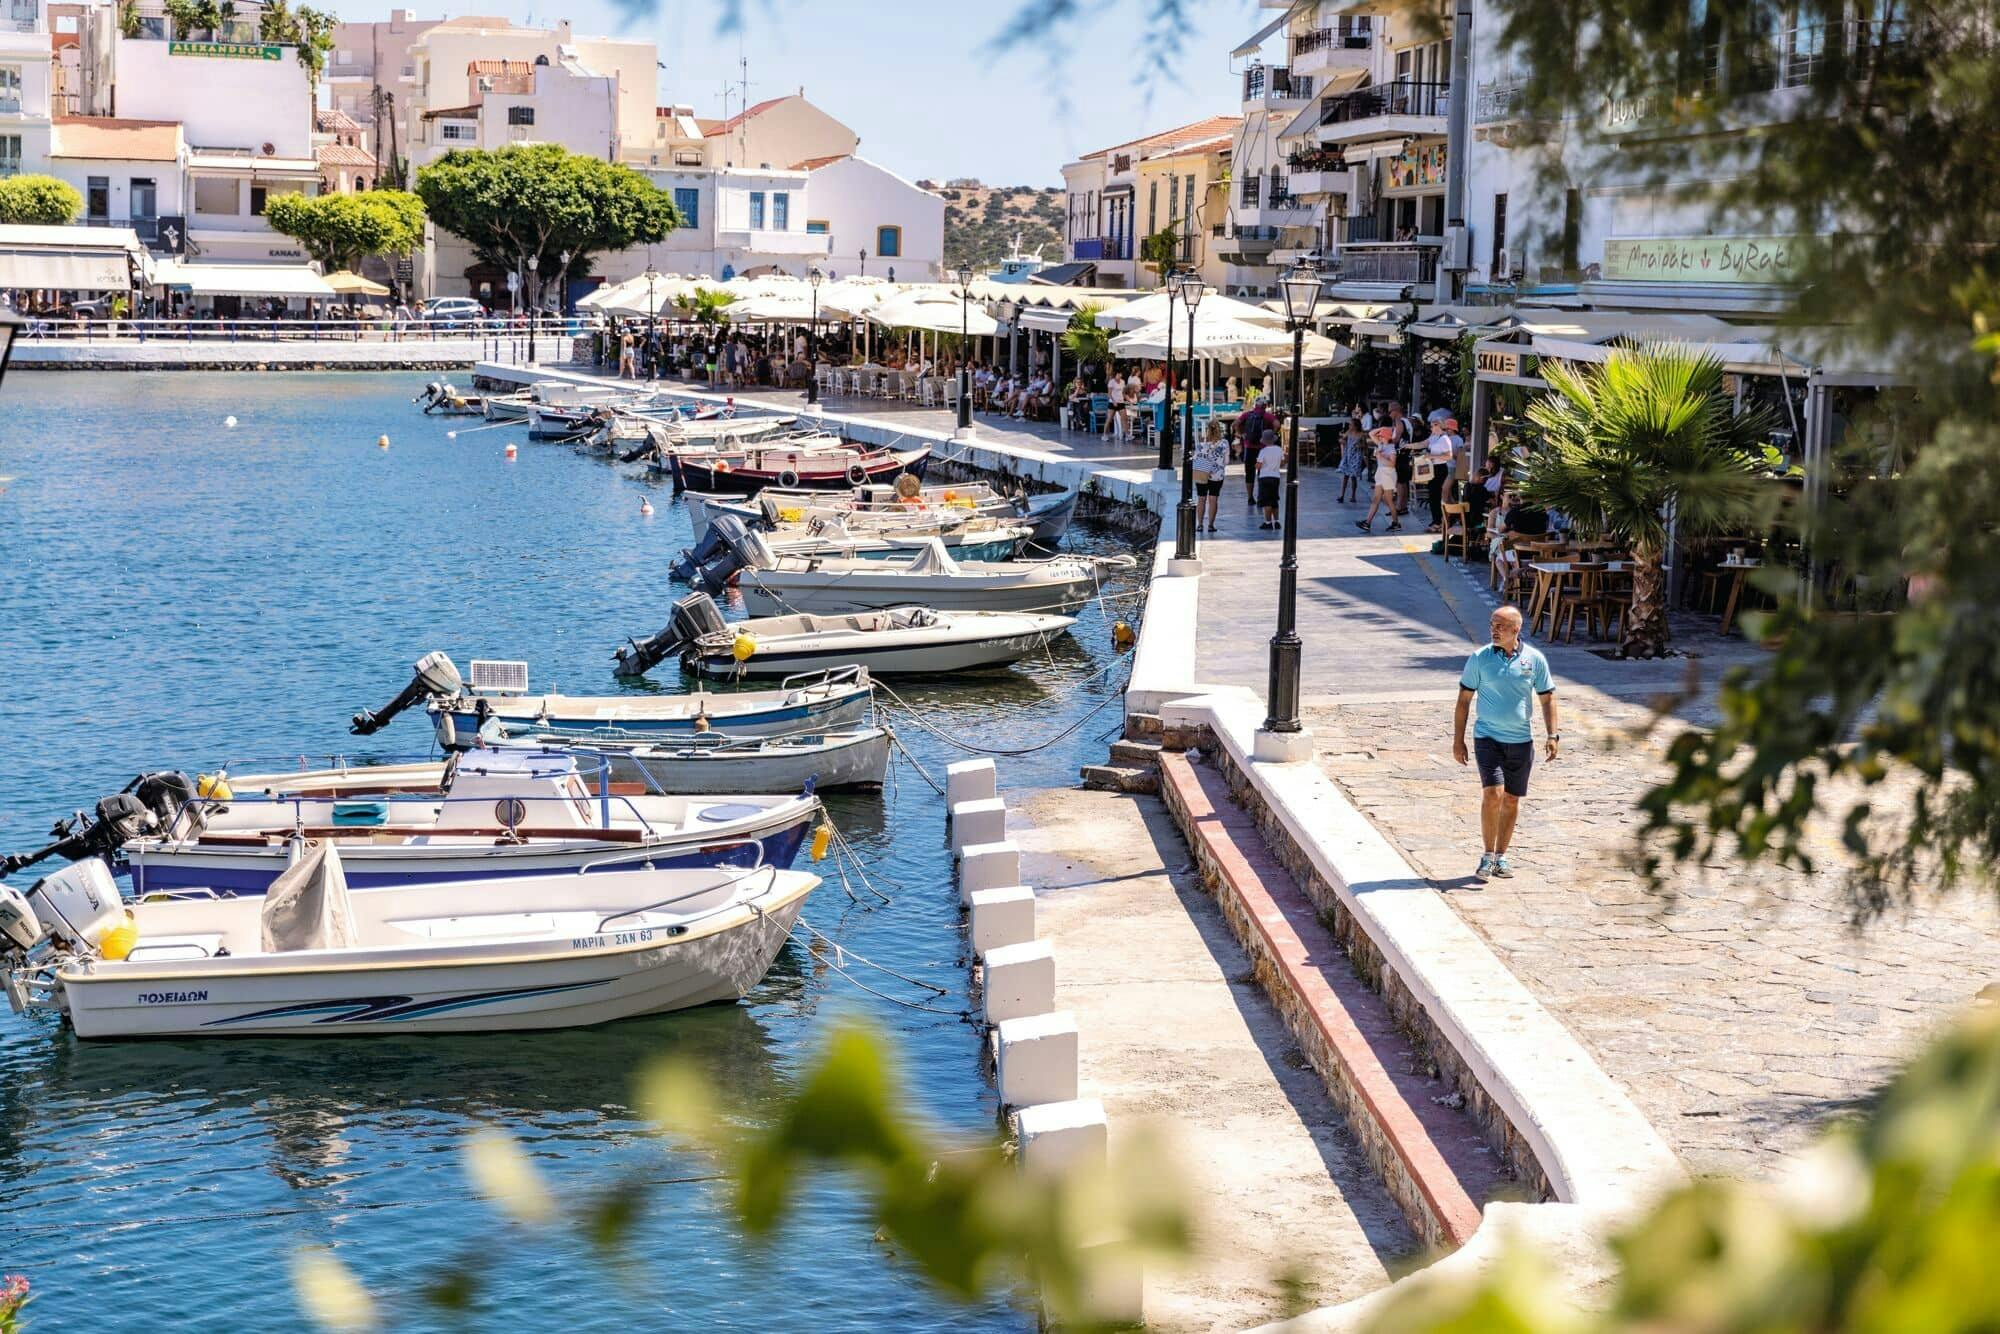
(743, 648)
(1121, 634)
(790, 515)
(120, 939)
(213, 786)
(822, 836)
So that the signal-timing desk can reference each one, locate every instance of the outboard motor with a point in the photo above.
(435, 676)
(119, 818)
(743, 549)
(78, 905)
(713, 543)
(694, 617)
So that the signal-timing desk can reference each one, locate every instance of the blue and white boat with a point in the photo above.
(500, 814)
(498, 699)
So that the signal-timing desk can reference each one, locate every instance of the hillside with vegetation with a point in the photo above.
(980, 223)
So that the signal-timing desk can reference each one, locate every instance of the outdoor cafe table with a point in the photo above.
(1739, 570)
(1549, 572)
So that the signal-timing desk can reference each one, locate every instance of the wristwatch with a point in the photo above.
(1555, 736)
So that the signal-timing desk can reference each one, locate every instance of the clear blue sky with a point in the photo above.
(916, 78)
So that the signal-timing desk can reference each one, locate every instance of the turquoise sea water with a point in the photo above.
(177, 593)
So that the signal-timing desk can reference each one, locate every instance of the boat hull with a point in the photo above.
(234, 870)
(594, 983)
(784, 592)
(693, 474)
(893, 659)
(861, 762)
(821, 713)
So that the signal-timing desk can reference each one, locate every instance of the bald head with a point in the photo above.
(1506, 626)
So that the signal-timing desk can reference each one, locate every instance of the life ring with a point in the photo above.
(789, 478)
(856, 474)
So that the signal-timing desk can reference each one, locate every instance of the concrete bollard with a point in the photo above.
(987, 866)
(969, 780)
(1019, 980)
(1061, 1137)
(1115, 1291)
(1002, 917)
(1036, 1060)
(983, 821)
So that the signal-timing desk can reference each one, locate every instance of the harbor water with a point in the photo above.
(181, 593)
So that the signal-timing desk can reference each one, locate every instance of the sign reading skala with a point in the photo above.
(1703, 259)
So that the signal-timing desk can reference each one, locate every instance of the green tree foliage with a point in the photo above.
(542, 202)
(308, 29)
(1881, 146)
(1160, 252)
(199, 18)
(1884, 1225)
(1085, 339)
(341, 230)
(981, 225)
(42, 200)
(1622, 447)
(704, 305)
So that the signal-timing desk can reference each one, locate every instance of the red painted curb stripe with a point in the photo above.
(1354, 1021)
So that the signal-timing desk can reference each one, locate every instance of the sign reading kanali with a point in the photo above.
(227, 50)
(1703, 259)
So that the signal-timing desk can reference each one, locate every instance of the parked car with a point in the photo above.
(454, 312)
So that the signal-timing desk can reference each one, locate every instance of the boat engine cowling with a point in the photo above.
(435, 676)
(148, 804)
(20, 929)
(714, 543)
(694, 617)
(78, 903)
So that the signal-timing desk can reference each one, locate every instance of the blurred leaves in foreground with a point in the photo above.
(1885, 1225)
(964, 1216)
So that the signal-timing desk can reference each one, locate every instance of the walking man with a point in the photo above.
(1502, 677)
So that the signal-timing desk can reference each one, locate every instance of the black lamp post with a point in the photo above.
(534, 268)
(1192, 290)
(10, 326)
(1172, 284)
(652, 309)
(1301, 287)
(964, 346)
(813, 279)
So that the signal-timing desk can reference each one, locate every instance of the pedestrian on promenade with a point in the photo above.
(1385, 480)
(628, 368)
(1211, 465)
(1353, 461)
(1270, 470)
(1503, 677)
(1250, 428)
(1406, 459)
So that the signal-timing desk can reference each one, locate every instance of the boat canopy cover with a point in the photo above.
(306, 908)
(933, 559)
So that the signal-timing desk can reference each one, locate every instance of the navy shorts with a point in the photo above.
(1211, 487)
(1504, 764)
(1267, 492)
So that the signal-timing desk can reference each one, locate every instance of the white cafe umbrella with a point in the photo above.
(656, 297)
(937, 312)
(1220, 340)
(773, 308)
(1152, 308)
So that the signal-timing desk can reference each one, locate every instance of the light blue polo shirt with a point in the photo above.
(1506, 688)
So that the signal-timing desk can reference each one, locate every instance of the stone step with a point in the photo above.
(1135, 754)
(1143, 727)
(1117, 778)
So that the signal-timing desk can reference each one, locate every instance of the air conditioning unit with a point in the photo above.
(1457, 256)
(1503, 267)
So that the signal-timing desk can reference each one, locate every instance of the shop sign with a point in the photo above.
(1634, 111)
(277, 253)
(227, 50)
(1417, 167)
(1703, 259)
(1498, 361)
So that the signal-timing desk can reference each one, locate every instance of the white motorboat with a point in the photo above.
(814, 701)
(498, 813)
(310, 959)
(825, 533)
(1047, 516)
(906, 640)
(774, 585)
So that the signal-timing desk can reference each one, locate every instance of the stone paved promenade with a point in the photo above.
(1740, 1013)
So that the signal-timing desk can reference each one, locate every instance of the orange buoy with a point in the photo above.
(510, 451)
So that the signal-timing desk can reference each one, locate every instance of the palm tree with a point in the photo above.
(1084, 340)
(1647, 439)
(704, 305)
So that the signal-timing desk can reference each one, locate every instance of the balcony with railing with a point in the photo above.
(148, 228)
(1407, 106)
(1089, 247)
(1339, 47)
(1244, 243)
(1365, 255)
(1318, 171)
(1275, 85)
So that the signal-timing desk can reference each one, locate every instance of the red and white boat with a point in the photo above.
(813, 464)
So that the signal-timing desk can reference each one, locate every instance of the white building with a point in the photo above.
(26, 75)
(1104, 224)
(371, 65)
(861, 206)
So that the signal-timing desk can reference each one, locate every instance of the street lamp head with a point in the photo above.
(1193, 289)
(965, 276)
(1302, 288)
(1173, 281)
(814, 276)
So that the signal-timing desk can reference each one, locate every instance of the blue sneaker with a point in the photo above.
(1485, 866)
(1501, 869)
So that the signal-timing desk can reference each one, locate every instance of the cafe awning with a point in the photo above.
(69, 259)
(286, 280)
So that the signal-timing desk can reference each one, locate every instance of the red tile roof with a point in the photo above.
(1192, 133)
(333, 121)
(500, 67)
(815, 163)
(734, 121)
(343, 155)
